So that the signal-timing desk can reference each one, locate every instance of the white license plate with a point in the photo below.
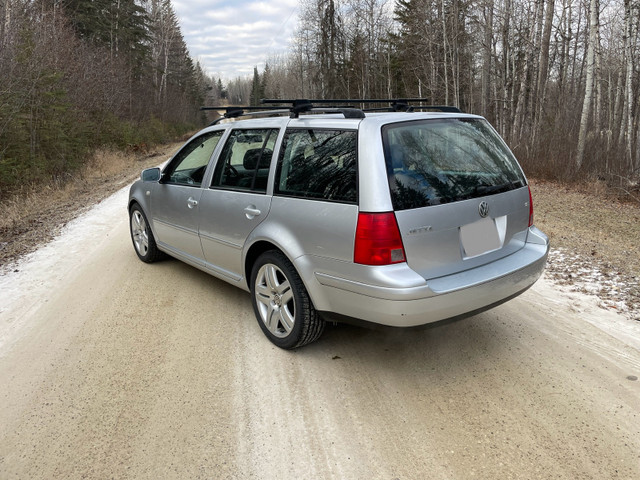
(479, 237)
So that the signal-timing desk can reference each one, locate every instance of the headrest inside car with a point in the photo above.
(251, 158)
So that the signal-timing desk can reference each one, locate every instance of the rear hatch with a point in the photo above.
(459, 195)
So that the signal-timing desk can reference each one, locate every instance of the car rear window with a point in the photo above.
(320, 164)
(431, 162)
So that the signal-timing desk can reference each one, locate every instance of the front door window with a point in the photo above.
(189, 165)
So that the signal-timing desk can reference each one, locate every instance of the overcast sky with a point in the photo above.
(230, 37)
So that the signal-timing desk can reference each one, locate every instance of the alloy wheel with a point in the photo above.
(139, 233)
(275, 300)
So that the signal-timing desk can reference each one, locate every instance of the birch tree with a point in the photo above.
(590, 80)
(543, 73)
(627, 133)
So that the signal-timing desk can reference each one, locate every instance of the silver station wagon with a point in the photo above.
(331, 213)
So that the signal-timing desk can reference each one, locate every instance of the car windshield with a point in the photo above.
(430, 162)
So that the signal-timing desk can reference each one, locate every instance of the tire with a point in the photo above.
(142, 237)
(281, 303)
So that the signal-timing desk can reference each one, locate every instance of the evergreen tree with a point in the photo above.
(257, 88)
(121, 26)
(221, 89)
(265, 83)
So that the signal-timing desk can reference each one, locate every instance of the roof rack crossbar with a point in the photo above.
(342, 100)
(395, 104)
(243, 107)
(412, 108)
(441, 108)
(346, 111)
(302, 105)
(298, 106)
(245, 111)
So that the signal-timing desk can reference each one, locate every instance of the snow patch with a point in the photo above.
(24, 283)
(613, 289)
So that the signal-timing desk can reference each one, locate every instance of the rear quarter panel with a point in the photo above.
(315, 235)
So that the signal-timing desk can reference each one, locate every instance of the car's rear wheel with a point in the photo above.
(281, 302)
(142, 237)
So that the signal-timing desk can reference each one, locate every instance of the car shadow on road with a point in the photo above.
(458, 345)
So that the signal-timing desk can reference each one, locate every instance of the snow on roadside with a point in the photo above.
(614, 290)
(22, 284)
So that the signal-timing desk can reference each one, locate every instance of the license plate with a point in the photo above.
(479, 237)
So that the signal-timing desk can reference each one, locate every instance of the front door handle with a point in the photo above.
(251, 211)
(192, 202)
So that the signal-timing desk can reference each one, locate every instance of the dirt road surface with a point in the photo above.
(110, 368)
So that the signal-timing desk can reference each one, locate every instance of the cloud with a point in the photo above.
(230, 37)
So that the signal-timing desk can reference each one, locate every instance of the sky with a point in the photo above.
(231, 37)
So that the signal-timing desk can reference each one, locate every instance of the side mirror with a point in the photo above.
(151, 175)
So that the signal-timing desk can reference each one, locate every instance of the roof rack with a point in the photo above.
(302, 105)
(343, 106)
(395, 105)
(297, 107)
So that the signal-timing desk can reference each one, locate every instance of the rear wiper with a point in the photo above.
(489, 189)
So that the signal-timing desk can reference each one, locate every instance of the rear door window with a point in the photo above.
(245, 160)
(431, 162)
(319, 164)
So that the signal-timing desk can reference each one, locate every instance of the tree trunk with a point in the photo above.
(6, 26)
(589, 87)
(597, 83)
(507, 79)
(445, 47)
(516, 133)
(486, 57)
(576, 77)
(541, 88)
(628, 128)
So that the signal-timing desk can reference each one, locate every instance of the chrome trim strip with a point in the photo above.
(220, 241)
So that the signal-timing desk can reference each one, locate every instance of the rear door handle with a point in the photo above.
(192, 202)
(251, 211)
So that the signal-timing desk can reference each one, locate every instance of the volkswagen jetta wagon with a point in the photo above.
(397, 218)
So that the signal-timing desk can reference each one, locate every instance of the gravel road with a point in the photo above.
(111, 368)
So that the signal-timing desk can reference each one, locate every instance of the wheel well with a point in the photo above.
(254, 252)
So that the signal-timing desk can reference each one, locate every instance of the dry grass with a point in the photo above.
(589, 219)
(35, 214)
(591, 229)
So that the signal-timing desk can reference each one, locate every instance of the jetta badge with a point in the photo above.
(483, 209)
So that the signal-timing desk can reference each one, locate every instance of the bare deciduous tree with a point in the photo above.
(592, 51)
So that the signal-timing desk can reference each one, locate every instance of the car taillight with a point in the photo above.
(530, 208)
(378, 240)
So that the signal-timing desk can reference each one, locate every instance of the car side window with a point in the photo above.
(245, 160)
(318, 164)
(189, 165)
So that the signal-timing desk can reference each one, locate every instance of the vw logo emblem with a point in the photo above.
(483, 209)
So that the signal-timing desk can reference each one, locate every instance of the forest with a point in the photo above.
(76, 75)
(559, 79)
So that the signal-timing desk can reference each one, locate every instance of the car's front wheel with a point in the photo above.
(142, 237)
(281, 302)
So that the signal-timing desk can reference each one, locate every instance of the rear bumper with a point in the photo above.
(438, 299)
